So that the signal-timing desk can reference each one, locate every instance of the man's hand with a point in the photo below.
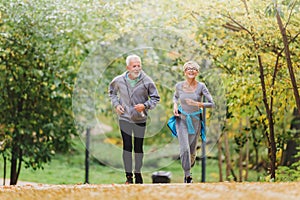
(139, 107)
(119, 109)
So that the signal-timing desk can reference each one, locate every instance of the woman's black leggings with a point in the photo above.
(138, 131)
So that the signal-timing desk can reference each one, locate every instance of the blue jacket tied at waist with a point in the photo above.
(191, 130)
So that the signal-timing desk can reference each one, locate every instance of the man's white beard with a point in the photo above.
(134, 75)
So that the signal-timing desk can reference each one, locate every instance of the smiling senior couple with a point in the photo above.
(134, 93)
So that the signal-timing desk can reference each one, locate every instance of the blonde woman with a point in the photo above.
(187, 109)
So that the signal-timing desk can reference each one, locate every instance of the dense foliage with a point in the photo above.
(57, 58)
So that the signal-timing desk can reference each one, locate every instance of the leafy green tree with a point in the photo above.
(289, 7)
(249, 50)
(45, 51)
(37, 61)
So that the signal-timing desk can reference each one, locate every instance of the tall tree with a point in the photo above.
(250, 51)
(286, 42)
(36, 77)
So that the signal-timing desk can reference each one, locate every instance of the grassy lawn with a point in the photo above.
(63, 170)
(70, 169)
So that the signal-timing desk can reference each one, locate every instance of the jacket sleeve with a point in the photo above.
(209, 100)
(154, 97)
(113, 93)
(176, 94)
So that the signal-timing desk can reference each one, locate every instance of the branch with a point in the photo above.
(264, 125)
(273, 81)
(231, 27)
(288, 59)
(238, 24)
(294, 38)
(293, 6)
(246, 6)
(193, 15)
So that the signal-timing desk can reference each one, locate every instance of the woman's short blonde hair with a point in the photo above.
(192, 64)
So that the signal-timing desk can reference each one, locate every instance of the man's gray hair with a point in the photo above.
(131, 57)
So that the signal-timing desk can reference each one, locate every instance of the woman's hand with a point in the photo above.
(175, 110)
(191, 102)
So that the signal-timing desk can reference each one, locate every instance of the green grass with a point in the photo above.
(70, 169)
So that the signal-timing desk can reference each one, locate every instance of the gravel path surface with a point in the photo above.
(206, 191)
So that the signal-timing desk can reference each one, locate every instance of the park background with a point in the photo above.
(57, 58)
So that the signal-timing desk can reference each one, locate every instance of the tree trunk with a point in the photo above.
(269, 111)
(240, 161)
(220, 160)
(13, 167)
(268, 107)
(241, 166)
(255, 144)
(227, 157)
(247, 158)
(291, 148)
(20, 164)
(256, 158)
(288, 58)
(273, 147)
(4, 169)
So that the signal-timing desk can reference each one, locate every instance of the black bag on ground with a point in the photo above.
(161, 177)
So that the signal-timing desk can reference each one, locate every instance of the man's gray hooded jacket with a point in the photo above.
(144, 92)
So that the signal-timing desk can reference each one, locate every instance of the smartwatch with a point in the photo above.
(146, 107)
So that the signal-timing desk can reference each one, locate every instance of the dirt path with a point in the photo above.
(173, 191)
(20, 183)
(206, 191)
